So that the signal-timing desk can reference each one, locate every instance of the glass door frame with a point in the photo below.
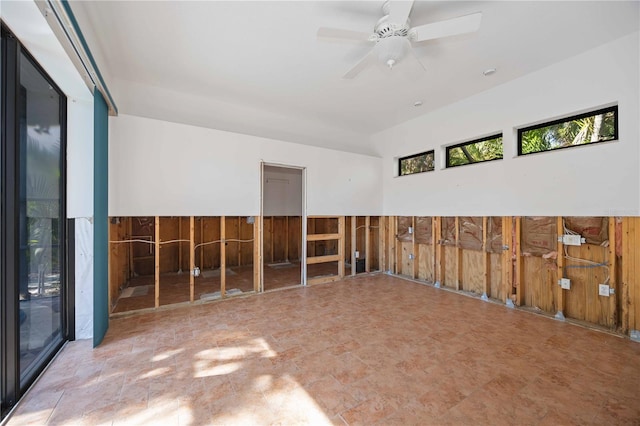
(13, 384)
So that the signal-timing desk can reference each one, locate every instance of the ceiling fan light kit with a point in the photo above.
(393, 35)
(392, 49)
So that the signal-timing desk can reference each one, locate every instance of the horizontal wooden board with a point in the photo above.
(323, 259)
(323, 237)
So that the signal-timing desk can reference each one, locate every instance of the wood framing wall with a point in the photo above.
(156, 246)
(282, 239)
(484, 256)
(629, 299)
(502, 270)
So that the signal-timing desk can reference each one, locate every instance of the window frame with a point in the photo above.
(471, 142)
(613, 108)
(409, 157)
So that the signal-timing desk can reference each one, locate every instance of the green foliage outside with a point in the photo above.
(43, 205)
(475, 152)
(596, 128)
(418, 164)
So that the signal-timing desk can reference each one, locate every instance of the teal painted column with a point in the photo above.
(100, 218)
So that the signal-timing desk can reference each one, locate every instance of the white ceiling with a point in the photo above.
(257, 68)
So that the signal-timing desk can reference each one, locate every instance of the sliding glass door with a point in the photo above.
(40, 209)
(33, 286)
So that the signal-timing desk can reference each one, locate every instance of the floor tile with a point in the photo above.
(370, 350)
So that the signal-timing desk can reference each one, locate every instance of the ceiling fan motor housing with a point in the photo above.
(384, 28)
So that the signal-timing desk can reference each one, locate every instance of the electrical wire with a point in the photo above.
(174, 241)
(177, 241)
(219, 241)
(590, 263)
(133, 241)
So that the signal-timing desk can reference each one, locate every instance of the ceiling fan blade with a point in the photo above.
(332, 34)
(399, 11)
(370, 59)
(450, 27)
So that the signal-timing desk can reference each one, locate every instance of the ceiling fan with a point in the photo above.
(393, 36)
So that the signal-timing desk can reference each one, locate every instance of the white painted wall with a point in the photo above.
(163, 168)
(80, 158)
(28, 24)
(282, 191)
(600, 179)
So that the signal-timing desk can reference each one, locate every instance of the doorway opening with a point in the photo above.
(283, 226)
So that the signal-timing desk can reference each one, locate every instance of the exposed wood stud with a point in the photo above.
(560, 262)
(634, 283)
(179, 244)
(613, 269)
(630, 271)
(367, 244)
(398, 247)
(434, 259)
(415, 249)
(257, 254)
(130, 231)
(341, 220)
(486, 261)
(273, 239)
(286, 240)
(239, 245)
(223, 257)
(353, 244)
(381, 244)
(312, 259)
(391, 247)
(157, 262)
(440, 251)
(202, 241)
(458, 254)
(394, 235)
(519, 264)
(507, 260)
(192, 257)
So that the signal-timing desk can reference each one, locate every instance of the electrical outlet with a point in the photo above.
(411, 229)
(571, 240)
(357, 253)
(603, 290)
(565, 283)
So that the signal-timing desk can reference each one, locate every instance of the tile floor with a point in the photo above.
(366, 350)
